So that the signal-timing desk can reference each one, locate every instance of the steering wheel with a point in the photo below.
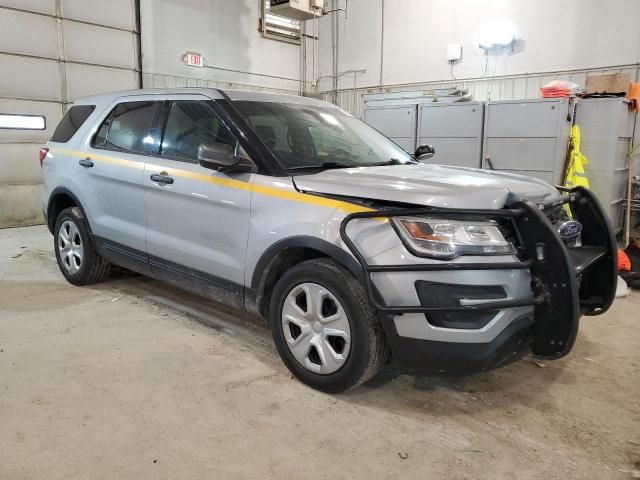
(339, 153)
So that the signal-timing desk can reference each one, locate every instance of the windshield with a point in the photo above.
(305, 137)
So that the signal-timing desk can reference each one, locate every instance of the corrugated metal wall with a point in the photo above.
(498, 88)
(160, 80)
(52, 52)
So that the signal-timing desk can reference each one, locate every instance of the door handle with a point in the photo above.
(86, 162)
(162, 178)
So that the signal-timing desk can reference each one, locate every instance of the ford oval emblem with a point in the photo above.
(569, 229)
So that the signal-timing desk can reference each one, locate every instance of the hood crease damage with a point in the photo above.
(427, 185)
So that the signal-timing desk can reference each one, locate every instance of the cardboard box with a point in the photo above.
(614, 83)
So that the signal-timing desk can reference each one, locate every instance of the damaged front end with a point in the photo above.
(572, 275)
(573, 280)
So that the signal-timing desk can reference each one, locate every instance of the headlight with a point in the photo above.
(445, 239)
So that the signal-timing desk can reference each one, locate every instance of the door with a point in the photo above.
(110, 172)
(197, 218)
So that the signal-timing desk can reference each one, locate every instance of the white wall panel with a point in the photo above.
(21, 205)
(41, 6)
(104, 46)
(20, 163)
(52, 112)
(224, 80)
(225, 33)
(45, 69)
(28, 34)
(30, 78)
(359, 49)
(556, 37)
(114, 13)
(83, 80)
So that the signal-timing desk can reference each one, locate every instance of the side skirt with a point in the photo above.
(201, 283)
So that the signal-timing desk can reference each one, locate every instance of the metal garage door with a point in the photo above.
(52, 52)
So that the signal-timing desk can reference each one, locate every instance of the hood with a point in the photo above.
(429, 185)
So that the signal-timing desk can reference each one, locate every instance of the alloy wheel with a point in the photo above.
(70, 247)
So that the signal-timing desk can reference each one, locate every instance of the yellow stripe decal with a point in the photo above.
(101, 158)
(224, 182)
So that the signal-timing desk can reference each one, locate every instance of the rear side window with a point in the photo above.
(71, 122)
(126, 129)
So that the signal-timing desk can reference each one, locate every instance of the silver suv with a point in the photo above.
(355, 252)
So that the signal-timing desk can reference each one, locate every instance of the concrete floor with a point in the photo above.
(134, 379)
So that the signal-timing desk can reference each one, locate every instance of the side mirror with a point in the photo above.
(424, 152)
(222, 156)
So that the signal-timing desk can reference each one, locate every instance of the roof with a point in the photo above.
(233, 94)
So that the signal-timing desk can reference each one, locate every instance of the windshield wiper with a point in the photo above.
(325, 166)
(330, 165)
(393, 161)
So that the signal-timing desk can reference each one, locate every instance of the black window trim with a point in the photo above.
(119, 102)
(266, 163)
(262, 157)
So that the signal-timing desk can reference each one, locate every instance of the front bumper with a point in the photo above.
(566, 283)
(411, 355)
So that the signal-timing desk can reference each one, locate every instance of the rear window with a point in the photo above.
(71, 122)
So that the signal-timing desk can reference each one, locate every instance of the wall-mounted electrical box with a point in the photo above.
(454, 52)
(297, 9)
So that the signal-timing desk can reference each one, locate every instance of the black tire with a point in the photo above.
(93, 267)
(368, 351)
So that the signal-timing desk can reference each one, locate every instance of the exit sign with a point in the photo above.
(194, 60)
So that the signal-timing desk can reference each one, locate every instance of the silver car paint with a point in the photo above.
(58, 167)
(198, 224)
(433, 185)
(380, 245)
(209, 219)
(275, 218)
(399, 289)
(111, 194)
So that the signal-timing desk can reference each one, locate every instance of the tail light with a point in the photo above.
(43, 154)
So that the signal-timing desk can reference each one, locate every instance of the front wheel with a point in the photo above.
(324, 328)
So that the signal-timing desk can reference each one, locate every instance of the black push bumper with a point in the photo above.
(566, 283)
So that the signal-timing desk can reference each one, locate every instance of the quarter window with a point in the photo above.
(189, 125)
(127, 128)
(71, 122)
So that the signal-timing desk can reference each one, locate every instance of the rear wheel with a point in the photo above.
(324, 328)
(78, 260)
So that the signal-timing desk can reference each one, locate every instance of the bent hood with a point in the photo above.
(429, 185)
